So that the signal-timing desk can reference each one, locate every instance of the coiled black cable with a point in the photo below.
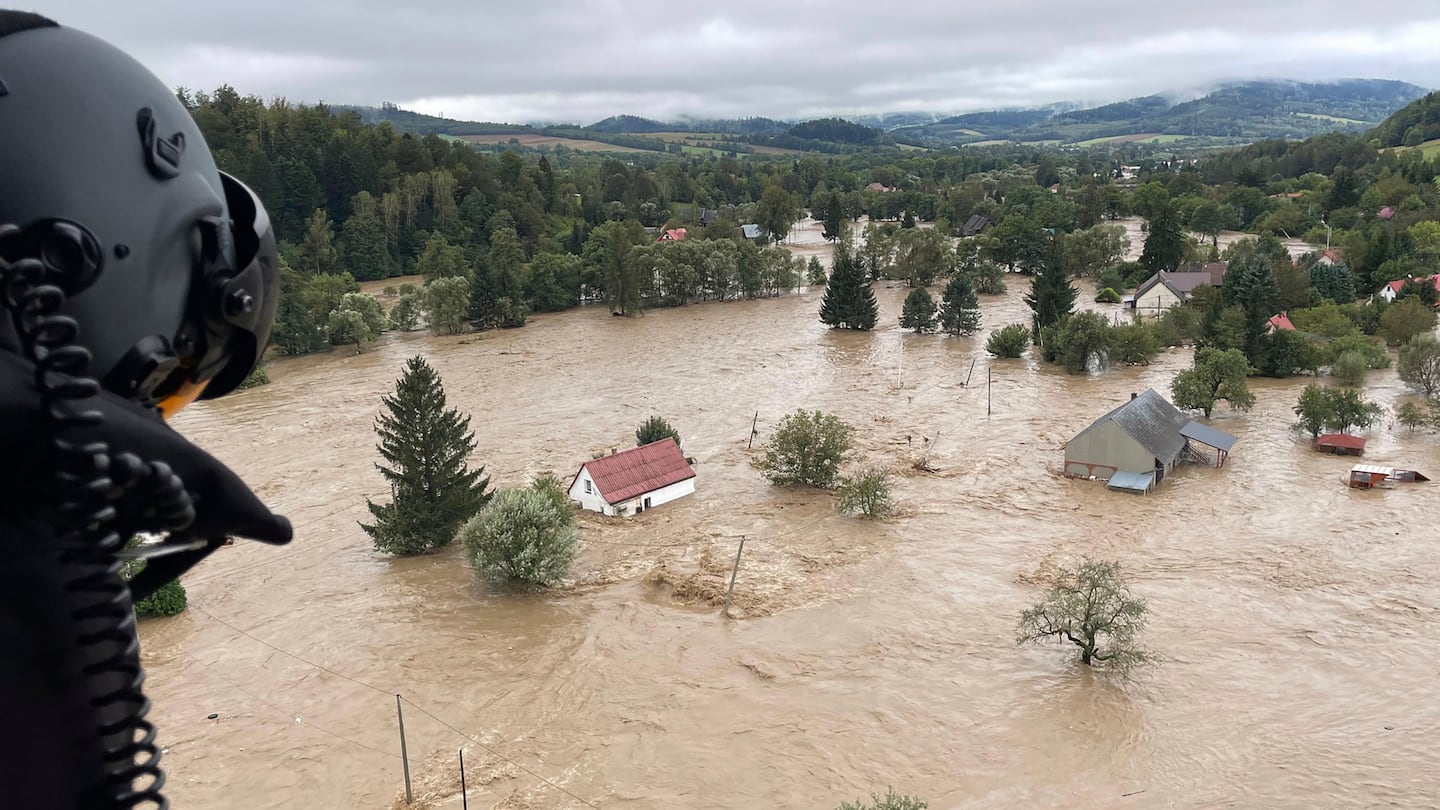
(89, 483)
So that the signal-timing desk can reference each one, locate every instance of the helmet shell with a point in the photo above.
(91, 142)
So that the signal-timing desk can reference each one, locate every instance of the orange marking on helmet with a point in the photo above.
(187, 393)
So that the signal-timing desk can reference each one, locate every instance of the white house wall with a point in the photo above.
(1156, 300)
(588, 500)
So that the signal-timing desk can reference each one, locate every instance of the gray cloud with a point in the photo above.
(581, 60)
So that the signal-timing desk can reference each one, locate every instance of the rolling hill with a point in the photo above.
(1233, 113)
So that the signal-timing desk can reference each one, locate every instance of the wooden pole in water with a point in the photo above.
(988, 380)
(464, 799)
(969, 373)
(404, 754)
(753, 423)
(733, 572)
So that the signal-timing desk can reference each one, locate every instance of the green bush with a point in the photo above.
(653, 430)
(807, 448)
(1349, 369)
(169, 600)
(257, 378)
(524, 536)
(867, 493)
(890, 801)
(1108, 296)
(1112, 278)
(1008, 341)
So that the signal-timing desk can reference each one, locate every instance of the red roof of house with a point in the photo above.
(623, 476)
(1386, 213)
(672, 235)
(1398, 283)
(1344, 440)
(1282, 321)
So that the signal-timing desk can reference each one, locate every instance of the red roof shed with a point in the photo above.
(1341, 444)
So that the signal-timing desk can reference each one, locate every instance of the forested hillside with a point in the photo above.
(532, 231)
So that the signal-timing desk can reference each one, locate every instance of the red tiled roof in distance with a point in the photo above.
(1282, 321)
(1344, 440)
(623, 476)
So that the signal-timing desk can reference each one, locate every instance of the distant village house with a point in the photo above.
(635, 480)
(671, 235)
(1392, 289)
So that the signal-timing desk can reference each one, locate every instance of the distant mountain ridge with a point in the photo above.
(1239, 112)
(1235, 112)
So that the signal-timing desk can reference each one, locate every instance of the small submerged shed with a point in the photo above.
(1370, 476)
(1341, 444)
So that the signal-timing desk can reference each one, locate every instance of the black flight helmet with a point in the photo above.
(168, 263)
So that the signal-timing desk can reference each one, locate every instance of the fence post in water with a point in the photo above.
(733, 572)
(753, 423)
(464, 799)
(404, 754)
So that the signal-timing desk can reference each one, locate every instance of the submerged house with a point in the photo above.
(1136, 445)
(1165, 289)
(635, 480)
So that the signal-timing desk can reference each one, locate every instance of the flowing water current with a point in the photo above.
(1295, 620)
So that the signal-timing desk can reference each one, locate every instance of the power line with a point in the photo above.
(476, 740)
(305, 661)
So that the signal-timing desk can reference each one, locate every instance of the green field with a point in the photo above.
(1319, 117)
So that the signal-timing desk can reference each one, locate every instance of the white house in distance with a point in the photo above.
(635, 480)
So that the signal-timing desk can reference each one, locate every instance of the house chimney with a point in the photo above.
(612, 451)
(1133, 395)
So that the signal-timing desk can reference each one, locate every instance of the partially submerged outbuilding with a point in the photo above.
(1370, 476)
(1341, 444)
(1137, 444)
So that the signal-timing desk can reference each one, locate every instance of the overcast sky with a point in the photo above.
(582, 60)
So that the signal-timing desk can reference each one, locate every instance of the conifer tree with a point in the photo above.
(959, 307)
(918, 313)
(1165, 243)
(849, 302)
(1052, 296)
(425, 444)
(363, 248)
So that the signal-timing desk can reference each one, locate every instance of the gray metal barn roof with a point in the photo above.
(1150, 420)
(1218, 439)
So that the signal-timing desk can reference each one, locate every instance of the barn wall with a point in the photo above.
(1108, 445)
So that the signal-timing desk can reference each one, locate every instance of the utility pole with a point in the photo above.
(464, 798)
(733, 572)
(988, 382)
(404, 754)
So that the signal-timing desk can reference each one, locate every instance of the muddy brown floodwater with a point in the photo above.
(1297, 619)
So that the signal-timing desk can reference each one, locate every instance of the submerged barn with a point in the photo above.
(635, 480)
(1136, 445)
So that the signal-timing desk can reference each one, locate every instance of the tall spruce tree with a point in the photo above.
(425, 444)
(918, 313)
(1165, 243)
(1052, 296)
(959, 307)
(849, 302)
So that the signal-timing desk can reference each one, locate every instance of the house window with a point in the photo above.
(587, 486)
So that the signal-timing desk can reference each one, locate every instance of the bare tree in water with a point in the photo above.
(1092, 608)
